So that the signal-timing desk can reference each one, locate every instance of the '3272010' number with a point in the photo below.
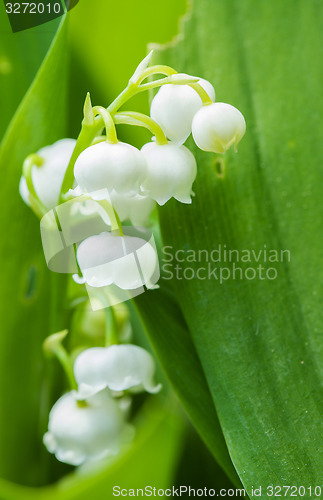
(33, 8)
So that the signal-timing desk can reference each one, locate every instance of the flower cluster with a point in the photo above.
(98, 175)
(135, 179)
(89, 422)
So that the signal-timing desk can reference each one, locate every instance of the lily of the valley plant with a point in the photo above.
(119, 183)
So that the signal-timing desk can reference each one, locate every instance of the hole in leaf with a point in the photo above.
(219, 167)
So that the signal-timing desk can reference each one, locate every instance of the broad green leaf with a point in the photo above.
(151, 461)
(259, 340)
(20, 57)
(177, 355)
(28, 310)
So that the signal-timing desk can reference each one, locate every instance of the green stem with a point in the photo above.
(98, 139)
(111, 336)
(86, 136)
(141, 120)
(35, 203)
(202, 93)
(79, 270)
(118, 222)
(153, 85)
(126, 94)
(31, 161)
(53, 347)
(110, 128)
(180, 80)
(114, 218)
(65, 361)
(159, 69)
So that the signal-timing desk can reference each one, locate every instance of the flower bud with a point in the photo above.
(171, 171)
(86, 431)
(48, 177)
(217, 126)
(88, 325)
(107, 258)
(118, 166)
(174, 107)
(118, 367)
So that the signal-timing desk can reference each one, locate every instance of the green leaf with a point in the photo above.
(20, 57)
(28, 310)
(176, 352)
(259, 340)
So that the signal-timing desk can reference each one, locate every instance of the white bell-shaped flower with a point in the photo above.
(217, 126)
(117, 166)
(48, 177)
(118, 367)
(174, 107)
(171, 171)
(127, 261)
(137, 208)
(85, 431)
